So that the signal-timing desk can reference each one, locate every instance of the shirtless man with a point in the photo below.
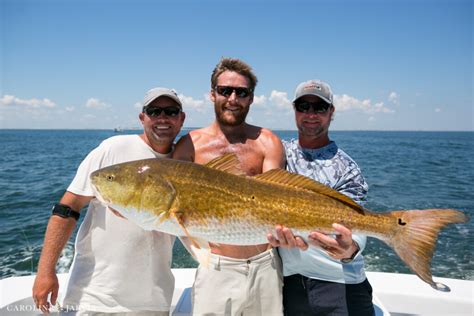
(240, 280)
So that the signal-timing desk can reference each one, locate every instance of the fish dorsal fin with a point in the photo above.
(227, 163)
(285, 178)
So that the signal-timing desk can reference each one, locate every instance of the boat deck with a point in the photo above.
(394, 294)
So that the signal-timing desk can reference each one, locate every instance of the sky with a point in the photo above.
(392, 65)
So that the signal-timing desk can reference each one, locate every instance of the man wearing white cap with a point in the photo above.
(328, 277)
(117, 267)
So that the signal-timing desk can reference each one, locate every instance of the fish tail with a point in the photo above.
(414, 238)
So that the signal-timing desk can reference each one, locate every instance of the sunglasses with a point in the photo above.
(171, 111)
(227, 91)
(320, 107)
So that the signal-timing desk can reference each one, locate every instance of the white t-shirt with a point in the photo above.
(117, 267)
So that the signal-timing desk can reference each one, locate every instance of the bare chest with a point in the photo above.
(249, 154)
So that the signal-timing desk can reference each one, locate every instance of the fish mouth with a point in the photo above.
(99, 196)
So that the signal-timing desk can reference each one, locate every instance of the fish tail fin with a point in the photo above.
(415, 236)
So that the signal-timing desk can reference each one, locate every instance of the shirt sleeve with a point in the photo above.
(354, 186)
(81, 184)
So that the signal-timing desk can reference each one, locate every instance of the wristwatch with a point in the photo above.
(65, 211)
(348, 260)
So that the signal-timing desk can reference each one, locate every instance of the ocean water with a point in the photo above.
(405, 170)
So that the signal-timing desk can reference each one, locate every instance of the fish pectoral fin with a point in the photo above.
(228, 163)
(285, 178)
(180, 220)
(198, 248)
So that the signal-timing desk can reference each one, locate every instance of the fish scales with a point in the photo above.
(208, 203)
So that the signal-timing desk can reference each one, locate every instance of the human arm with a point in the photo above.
(58, 232)
(345, 244)
(275, 158)
(350, 183)
(274, 152)
(184, 149)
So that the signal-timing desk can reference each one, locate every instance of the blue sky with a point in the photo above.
(392, 65)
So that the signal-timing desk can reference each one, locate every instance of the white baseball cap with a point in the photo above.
(314, 87)
(155, 93)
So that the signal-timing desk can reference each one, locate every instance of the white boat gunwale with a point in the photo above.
(394, 294)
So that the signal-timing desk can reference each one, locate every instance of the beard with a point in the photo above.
(312, 131)
(229, 118)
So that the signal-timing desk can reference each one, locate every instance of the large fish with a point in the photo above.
(214, 203)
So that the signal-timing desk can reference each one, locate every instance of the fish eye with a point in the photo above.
(110, 177)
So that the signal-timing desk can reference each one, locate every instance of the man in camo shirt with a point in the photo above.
(328, 277)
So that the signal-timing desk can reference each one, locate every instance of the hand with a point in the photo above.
(45, 284)
(286, 239)
(338, 248)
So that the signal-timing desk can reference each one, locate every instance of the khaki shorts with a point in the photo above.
(231, 286)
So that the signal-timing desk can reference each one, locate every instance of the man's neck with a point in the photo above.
(233, 134)
(313, 142)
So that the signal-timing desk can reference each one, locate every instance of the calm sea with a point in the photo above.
(405, 170)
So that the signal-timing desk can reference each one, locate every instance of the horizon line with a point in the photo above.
(193, 128)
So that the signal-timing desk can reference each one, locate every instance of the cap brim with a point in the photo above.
(322, 98)
(171, 96)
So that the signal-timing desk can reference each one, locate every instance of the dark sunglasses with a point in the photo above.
(227, 91)
(320, 107)
(156, 111)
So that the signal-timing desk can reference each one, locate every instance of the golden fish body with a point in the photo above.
(209, 203)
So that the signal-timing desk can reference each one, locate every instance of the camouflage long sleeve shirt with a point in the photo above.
(333, 167)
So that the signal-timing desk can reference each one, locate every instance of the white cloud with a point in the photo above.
(371, 119)
(97, 104)
(346, 103)
(394, 98)
(70, 108)
(280, 99)
(259, 101)
(190, 102)
(437, 110)
(11, 100)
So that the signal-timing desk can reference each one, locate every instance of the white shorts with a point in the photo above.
(231, 286)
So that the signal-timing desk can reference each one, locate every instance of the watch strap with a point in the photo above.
(65, 211)
(348, 260)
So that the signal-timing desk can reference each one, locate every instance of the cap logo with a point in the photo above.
(312, 86)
